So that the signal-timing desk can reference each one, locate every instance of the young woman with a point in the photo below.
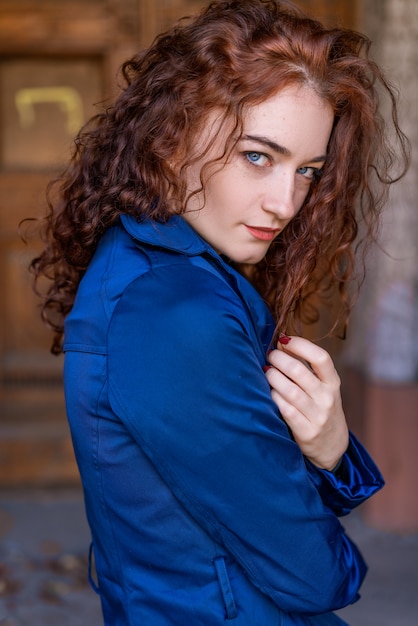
(197, 215)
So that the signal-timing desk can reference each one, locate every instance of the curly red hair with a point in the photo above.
(234, 55)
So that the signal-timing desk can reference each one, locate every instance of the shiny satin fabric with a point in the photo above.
(201, 506)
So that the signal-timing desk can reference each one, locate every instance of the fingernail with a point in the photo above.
(266, 368)
(284, 339)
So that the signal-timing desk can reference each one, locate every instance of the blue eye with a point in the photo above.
(257, 158)
(308, 172)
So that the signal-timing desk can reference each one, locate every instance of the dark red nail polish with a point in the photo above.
(266, 368)
(284, 339)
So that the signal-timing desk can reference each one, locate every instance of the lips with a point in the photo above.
(264, 234)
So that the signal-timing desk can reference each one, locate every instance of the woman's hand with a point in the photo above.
(306, 388)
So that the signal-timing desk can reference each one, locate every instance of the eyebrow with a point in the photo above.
(280, 149)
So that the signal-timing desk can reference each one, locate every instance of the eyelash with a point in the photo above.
(314, 171)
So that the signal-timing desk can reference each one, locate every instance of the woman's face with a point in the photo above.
(252, 197)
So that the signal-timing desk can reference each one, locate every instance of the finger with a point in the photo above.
(294, 418)
(303, 430)
(295, 371)
(317, 357)
(322, 442)
(291, 394)
(300, 387)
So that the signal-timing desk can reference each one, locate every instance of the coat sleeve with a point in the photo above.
(357, 479)
(185, 379)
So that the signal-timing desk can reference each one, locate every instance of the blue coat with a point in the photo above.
(202, 509)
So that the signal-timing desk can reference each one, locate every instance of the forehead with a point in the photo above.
(296, 117)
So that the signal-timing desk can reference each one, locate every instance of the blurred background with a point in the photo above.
(60, 57)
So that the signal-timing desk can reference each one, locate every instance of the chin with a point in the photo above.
(253, 260)
(246, 259)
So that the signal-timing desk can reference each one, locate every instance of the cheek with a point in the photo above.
(220, 194)
(225, 193)
(301, 193)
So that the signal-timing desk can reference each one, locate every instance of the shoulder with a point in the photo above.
(176, 331)
(181, 296)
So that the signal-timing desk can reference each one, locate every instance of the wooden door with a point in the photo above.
(57, 58)
(342, 13)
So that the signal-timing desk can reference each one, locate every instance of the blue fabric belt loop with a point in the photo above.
(225, 586)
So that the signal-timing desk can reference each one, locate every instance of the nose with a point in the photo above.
(279, 197)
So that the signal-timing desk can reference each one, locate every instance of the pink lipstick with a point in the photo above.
(265, 234)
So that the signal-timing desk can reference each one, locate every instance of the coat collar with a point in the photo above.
(175, 235)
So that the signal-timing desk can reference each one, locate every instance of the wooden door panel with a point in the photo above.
(57, 60)
(45, 101)
(35, 446)
(23, 339)
(332, 12)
